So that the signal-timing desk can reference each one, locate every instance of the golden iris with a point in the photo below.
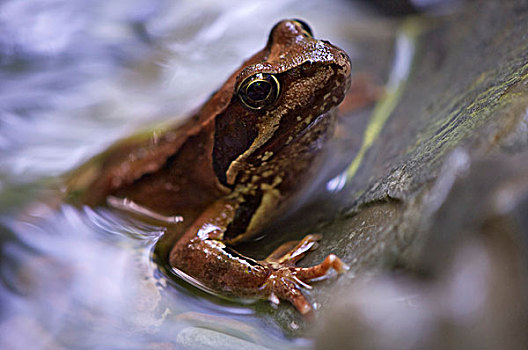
(259, 90)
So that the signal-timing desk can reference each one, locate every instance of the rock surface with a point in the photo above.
(442, 198)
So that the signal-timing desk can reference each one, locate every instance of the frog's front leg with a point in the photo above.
(202, 254)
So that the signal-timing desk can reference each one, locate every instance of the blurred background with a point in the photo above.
(75, 76)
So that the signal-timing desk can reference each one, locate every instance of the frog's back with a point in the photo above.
(169, 172)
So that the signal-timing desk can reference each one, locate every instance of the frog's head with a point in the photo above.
(277, 94)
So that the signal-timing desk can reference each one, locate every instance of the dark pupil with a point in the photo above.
(258, 90)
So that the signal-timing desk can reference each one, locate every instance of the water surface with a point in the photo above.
(74, 77)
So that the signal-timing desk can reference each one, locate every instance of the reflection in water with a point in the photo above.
(87, 276)
(78, 270)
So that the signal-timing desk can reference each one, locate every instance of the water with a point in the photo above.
(74, 77)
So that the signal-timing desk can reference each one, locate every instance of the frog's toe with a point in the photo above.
(321, 270)
(287, 282)
(284, 284)
(290, 252)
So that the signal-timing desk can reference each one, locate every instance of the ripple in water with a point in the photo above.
(75, 76)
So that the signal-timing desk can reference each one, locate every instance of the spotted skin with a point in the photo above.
(233, 167)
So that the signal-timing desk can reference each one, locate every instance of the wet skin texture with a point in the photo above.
(237, 164)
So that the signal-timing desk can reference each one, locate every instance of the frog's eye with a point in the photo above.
(304, 26)
(259, 90)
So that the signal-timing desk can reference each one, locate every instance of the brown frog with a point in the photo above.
(235, 165)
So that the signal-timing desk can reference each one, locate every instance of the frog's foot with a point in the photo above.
(290, 252)
(286, 279)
